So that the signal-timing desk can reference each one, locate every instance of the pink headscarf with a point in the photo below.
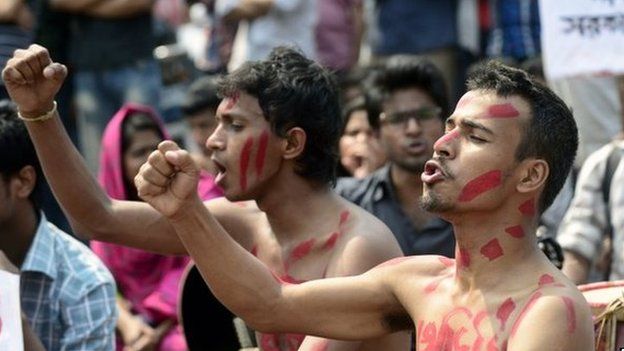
(149, 281)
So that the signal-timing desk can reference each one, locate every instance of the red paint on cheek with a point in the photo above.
(515, 231)
(571, 313)
(480, 185)
(447, 262)
(504, 311)
(261, 155)
(492, 250)
(331, 242)
(546, 279)
(503, 111)
(527, 208)
(446, 138)
(463, 258)
(532, 300)
(244, 162)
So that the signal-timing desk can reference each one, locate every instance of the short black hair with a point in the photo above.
(294, 91)
(366, 102)
(138, 122)
(16, 149)
(550, 135)
(408, 71)
(201, 95)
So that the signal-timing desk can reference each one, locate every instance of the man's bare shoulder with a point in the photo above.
(557, 316)
(240, 219)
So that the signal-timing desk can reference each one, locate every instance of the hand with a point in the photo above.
(32, 80)
(138, 336)
(168, 180)
(7, 265)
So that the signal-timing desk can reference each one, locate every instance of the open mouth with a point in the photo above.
(432, 173)
(221, 170)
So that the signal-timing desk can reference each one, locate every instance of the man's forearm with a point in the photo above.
(120, 8)
(237, 279)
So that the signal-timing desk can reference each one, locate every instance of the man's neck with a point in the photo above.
(295, 207)
(18, 233)
(494, 245)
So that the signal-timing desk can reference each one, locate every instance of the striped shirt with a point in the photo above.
(516, 29)
(66, 293)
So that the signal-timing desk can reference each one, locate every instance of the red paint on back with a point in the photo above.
(546, 279)
(261, 155)
(492, 250)
(446, 138)
(503, 111)
(515, 231)
(571, 313)
(504, 311)
(244, 162)
(480, 185)
(527, 208)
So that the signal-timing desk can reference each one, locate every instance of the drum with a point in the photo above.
(606, 300)
(207, 324)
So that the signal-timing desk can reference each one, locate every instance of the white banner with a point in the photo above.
(10, 316)
(582, 37)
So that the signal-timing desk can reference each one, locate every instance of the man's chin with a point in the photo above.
(431, 202)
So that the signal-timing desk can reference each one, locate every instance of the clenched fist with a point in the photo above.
(168, 180)
(33, 80)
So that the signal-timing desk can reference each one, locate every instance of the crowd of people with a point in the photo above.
(346, 175)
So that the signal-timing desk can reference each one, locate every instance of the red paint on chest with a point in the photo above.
(503, 111)
(344, 216)
(463, 258)
(244, 162)
(480, 185)
(532, 300)
(331, 242)
(504, 311)
(302, 250)
(446, 138)
(515, 231)
(571, 313)
(431, 287)
(527, 208)
(546, 279)
(492, 250)
(254, 250)
(261, 155)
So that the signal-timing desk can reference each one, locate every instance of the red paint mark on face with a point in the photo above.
(232, 100)
(571, 313)
(480, 185)
(447, 262)
(546, 279)
(331, 242)
(392, 262)
(503, 111)
(492, 250)
(504, 311)
(446, 138)
(515, 231)
(532, 300)
(528, 207)
(254, 250)
(463, 258)
(261, 155)
(244, 162)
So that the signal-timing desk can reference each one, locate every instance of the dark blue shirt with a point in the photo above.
(376, 194)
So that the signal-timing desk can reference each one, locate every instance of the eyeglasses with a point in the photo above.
(420, 115)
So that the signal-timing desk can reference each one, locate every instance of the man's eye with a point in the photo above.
(236, 127)
(476, 139)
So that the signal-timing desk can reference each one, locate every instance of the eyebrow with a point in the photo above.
(465, 123)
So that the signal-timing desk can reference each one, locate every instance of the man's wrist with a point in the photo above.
(189, 208)
(37, 113)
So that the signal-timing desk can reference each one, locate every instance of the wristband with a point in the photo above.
(43, 117)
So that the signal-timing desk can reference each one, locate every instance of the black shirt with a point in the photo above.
(376, 194)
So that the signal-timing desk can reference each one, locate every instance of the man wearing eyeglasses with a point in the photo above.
(414, 104)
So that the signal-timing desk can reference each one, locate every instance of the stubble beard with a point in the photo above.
(433, 202)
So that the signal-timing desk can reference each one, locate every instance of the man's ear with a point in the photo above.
(294, 143)
(534, 173)
(23, 183)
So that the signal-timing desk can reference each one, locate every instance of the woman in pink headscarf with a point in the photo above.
(148, 283)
